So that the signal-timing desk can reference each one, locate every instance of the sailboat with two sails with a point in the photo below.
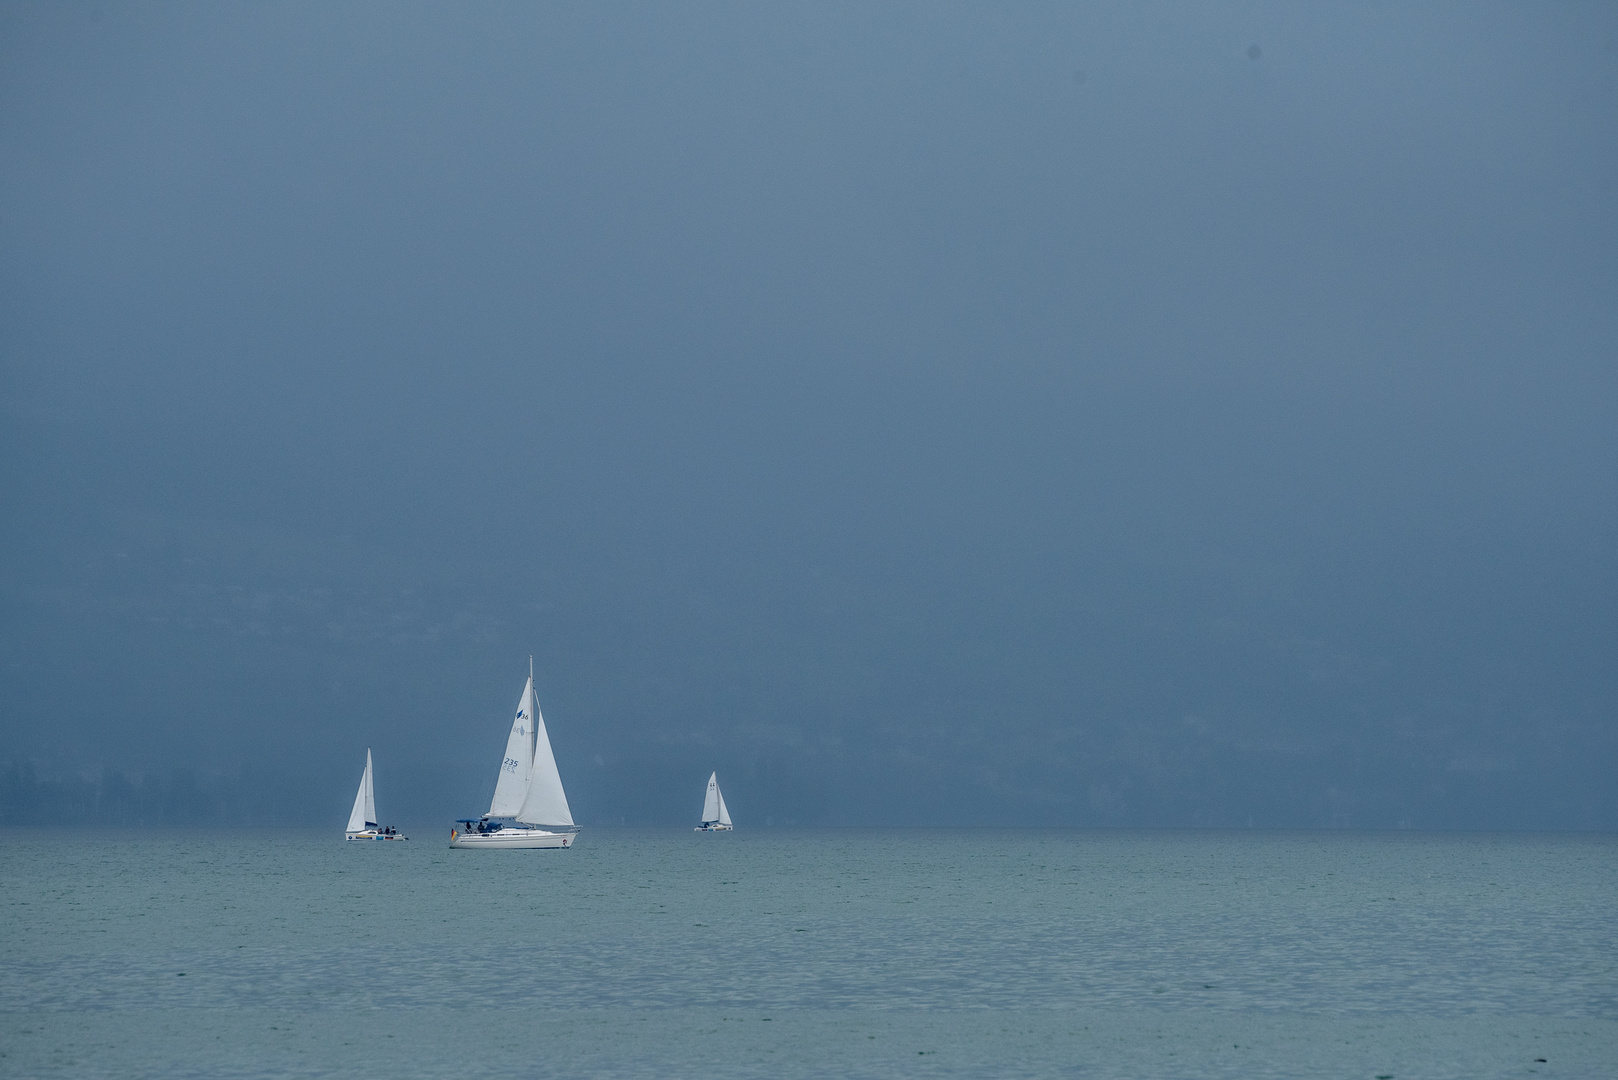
(529, 809)
(362, 819)
(715, 814)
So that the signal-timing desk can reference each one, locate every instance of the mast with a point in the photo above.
(370, 792)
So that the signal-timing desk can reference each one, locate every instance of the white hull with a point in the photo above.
(371, 834)
(712, 828)
(512, 838)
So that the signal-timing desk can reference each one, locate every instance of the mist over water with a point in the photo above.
(1102, 415)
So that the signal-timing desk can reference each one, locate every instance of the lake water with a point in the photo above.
(799, 953)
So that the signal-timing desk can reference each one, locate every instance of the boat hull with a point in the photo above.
(369, 835)
(712, 828)
(521, 839)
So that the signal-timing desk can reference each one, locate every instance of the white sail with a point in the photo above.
(363, 816)
(511, 789)
(712, 802)
(724, 811)
(546, 802)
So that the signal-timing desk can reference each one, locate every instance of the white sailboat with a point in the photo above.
(529, 809)
(362, 819)
(715, 814)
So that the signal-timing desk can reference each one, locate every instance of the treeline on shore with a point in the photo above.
(170, 798)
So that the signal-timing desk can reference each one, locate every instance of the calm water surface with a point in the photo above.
(810, 953)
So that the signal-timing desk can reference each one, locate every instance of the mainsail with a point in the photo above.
(363, 816)
(546, 802)
(511, 789)
(713, 806)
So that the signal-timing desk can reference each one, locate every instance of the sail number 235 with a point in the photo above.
(510, 765)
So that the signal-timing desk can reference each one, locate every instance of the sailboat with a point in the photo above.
(362, 819)
(715, 814)
(529, 809)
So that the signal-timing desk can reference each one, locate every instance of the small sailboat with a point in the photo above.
(362, 819)
(715, 814)
(529, 809)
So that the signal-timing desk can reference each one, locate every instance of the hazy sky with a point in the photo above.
(1098, 414)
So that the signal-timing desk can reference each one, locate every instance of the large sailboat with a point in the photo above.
(715, 814)
(529, 809)
(362, 819)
